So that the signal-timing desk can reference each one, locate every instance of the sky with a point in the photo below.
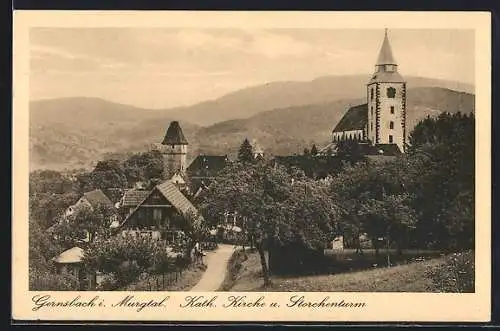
(166, 67)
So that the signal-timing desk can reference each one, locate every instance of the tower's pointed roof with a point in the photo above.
(385, 56)
(174, 135)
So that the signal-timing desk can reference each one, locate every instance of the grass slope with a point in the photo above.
(405, 278)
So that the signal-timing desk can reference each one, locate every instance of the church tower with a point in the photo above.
(174, 150)
(386, 101)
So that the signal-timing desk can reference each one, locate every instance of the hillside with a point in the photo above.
(253, 100)
(411, 277)
(289, 130)
(75, 132)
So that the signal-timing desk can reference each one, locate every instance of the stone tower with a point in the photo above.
(174, 150)
(386, 100)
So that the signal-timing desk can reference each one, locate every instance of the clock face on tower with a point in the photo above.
(391, 92)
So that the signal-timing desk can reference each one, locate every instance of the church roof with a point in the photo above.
(174, 135)
(354, 119)
(385, 56)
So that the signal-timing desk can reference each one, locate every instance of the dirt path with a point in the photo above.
(216, 262)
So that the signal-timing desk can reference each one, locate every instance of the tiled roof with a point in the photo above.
(133, 197)
(97, 197)
(354, 119)
(174, 135)
(72, 255)
(176, 198)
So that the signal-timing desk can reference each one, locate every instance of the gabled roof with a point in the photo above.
(133, 197)
(385, 56)
(210, 164)
(97, 197)
(355, 118)
(176, 198)
(72, 255)
(174, 135)
(173, 195)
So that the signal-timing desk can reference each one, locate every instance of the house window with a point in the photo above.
(390, 139)
(391, 92)
(157, 215)
(392, 109)
(391, 125)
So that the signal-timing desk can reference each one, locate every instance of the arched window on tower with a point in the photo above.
(371, 93)
(391, 125)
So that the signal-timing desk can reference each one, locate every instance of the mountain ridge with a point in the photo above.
(69, 135)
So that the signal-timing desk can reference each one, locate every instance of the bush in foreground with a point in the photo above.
(456, 275)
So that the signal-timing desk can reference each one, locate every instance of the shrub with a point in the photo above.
(45, 280)
(108, 283)
(456, 274)
(127, 272)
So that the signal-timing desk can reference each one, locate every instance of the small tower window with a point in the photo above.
(371, 93)
(390, 139)
(371, 109)
(391, 92)
(392, 109)
(371, 126)
(391, 125)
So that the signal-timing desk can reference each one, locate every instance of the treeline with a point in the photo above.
(52, 192)
(422, 199)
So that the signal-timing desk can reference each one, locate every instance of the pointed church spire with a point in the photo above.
(385, 56)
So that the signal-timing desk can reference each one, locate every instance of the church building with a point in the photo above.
(381, 121)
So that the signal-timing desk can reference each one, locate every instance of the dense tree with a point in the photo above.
(84, 226)
(435, 177)
(108, 174)
(126, 257)
(49, 181)
(42, 273)
(350, 151)
(279, 212)
(245, 153)
(47, 207)
(143, 167)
